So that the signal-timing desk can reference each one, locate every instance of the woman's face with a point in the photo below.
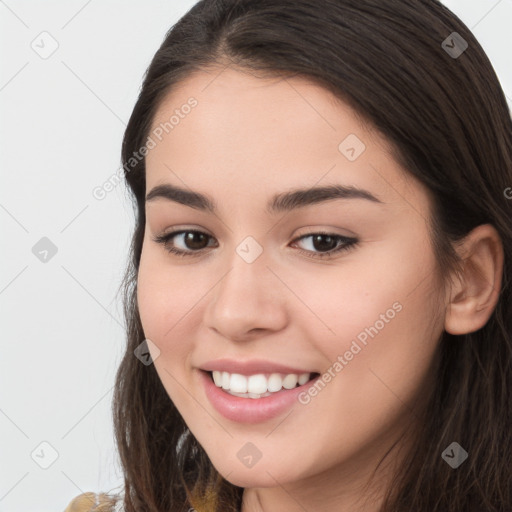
(254, 298)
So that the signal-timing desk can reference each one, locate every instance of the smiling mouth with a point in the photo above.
(258, 385)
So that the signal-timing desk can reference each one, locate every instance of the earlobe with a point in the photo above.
(474, 297)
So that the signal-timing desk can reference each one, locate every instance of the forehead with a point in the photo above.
(252, 132)
(241, 105)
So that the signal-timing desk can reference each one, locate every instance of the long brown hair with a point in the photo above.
(449, 125)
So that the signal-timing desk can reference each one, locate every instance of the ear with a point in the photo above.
(473, 298)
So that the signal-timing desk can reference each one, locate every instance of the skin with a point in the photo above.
(247, 139)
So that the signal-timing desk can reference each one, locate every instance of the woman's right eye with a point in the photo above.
(191, 240)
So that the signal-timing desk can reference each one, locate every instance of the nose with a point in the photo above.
(248, 301)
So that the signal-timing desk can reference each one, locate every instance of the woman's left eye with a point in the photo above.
(333, 243)
(191, 239)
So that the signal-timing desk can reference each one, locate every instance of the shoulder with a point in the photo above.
(91, 501)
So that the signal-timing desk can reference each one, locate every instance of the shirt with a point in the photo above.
(92, 502)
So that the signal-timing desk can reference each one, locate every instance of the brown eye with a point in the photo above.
(195, 240)
(324, 242)
(325, 245)
(184, 242)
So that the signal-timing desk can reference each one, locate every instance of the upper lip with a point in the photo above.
(250, 367)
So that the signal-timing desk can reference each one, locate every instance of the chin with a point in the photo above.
(247, 479)
(260, 475)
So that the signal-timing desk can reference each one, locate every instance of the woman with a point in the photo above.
(318, 296)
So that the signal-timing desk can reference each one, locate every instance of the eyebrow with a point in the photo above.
(283, 202)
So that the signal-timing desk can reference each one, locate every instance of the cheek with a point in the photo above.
(163, 302)
(380, 316)
(392, 350)
(367, 288)
(377, 365)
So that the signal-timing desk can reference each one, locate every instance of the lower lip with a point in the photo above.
(251, 410)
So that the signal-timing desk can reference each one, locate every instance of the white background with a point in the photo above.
(61, 125)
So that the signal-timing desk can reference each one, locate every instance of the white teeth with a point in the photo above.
(290, 381)
(217, 378)
(303, 378)
(275, 382)
(257, 395)
(238, 383)
(225, 380)
(257, 386)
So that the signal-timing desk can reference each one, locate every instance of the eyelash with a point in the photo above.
(350, 243)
